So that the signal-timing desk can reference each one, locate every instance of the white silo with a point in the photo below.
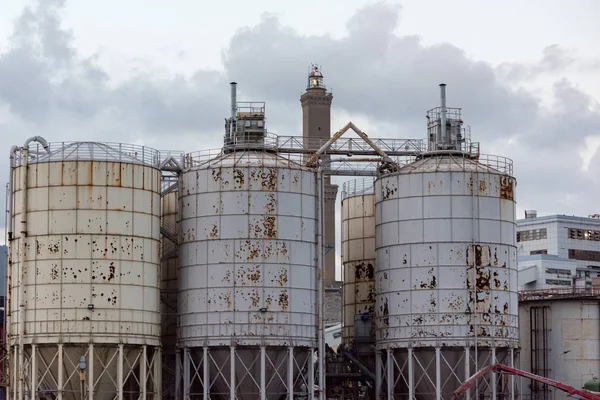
(247, 278)
(84, 288)
(358, 259)
(446, 267)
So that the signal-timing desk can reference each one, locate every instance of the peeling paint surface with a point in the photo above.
(446, 257)
(92, 253)
(358, 252)
(248, 252)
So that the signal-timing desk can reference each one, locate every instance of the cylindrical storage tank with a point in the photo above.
(247, 287)
(169, 286)
(446, 274)
(358, 256)
(85, 259)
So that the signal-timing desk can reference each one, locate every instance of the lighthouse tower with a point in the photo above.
(316, 124)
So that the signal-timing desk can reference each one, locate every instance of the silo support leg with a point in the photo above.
(411, 375)
(467, 371)
(390, 375)
(34, 369)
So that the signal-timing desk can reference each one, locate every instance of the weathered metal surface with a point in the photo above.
(92, 253)
(565, 342)
(247, 253)
(358, 255)
(446, 257)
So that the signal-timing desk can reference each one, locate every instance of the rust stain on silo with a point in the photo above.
(283, 301)
(506, 187)
(269, 227)
(385, 312)
(214, 233)
(364, 271)
(283, 277)
(482, 186)
(239, 178)
(269, 179)
(271, 205)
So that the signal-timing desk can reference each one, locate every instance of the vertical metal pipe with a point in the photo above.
(320, 282)
(290, 376)
(23, 273)
(263, 373)
(443, 112)
(232, 372)
(311, 375)
(91, 372)
(233, 100)
(411, 376)
(438, 374)
(144, 372)
(206, 374)
(61, 378)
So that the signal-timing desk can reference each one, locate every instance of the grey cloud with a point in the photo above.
(374, 74)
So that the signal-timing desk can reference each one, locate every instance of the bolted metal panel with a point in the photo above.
(92, 253)
(446, 256)
(358, 253)
(248, 253)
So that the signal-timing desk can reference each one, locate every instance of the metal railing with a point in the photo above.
(358, 187)
(543, 294)
(91, 151)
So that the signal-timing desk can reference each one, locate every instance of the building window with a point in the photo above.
(558, 271)
(584, 255)
(584, 234)
(532, 234)
(534, 252)
(558, 282)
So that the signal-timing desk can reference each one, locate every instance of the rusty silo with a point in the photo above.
(446, 267)
(247, 287)
(84, 270)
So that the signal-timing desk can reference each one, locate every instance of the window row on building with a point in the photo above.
(584, 234)
(532, 234)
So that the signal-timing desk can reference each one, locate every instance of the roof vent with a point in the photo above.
(530, 214)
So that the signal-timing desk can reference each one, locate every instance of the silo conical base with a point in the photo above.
(435, 373)
(111, 372)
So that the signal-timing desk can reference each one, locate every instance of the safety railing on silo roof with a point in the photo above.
(358, 187)
(91, 151)
(497, 163)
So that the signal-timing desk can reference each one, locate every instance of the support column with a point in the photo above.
(144, 372)
(263, 372)
(411, 375)
(120, 373)
(438, 374)
(61, 383)
(232, 373)
(157, 373)
(186, 373)
(178, 361)
(290, 376)
(390, 375)
(91, 377)
(467, 370)
(378, 374)
(34, 375)
(494, 388)
(206, 373)
(512, 377)
(311, 376)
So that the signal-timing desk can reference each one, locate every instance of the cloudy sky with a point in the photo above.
(527, 75)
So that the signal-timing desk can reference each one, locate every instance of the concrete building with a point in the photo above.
(557, 251)
(316, 127)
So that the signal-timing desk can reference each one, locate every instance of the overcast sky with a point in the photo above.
(527, 75)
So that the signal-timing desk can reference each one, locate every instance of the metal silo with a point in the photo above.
(446, 267)
(358, 260)
(248, 248)
(84, 270)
